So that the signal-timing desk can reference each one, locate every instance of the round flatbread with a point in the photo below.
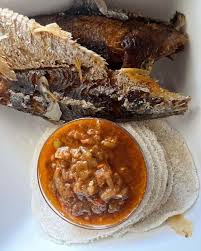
(161, 166)
(160, 138)
(185, 187)
(64, 232)
(179, 195)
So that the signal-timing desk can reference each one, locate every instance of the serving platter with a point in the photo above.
(19, 134)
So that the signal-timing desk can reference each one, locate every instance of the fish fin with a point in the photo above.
(148, 65)
(78, 68)
(134, 71)
(178, 21)
(53, 29)
(117, 14)
(100, 7)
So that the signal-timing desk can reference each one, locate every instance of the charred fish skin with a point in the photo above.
(35, 91)
(46, 73)
(137, 42)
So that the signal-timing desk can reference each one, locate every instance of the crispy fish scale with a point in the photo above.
(44, 72)
(118, 97)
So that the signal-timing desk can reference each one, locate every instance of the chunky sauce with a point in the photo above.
(92, 172)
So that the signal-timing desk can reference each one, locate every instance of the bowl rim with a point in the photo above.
(58, 213)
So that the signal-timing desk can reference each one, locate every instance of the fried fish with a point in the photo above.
(46, 73)
(134, 42)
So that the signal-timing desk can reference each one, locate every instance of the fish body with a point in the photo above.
(58, 94)
(43, 71)
(136, 42)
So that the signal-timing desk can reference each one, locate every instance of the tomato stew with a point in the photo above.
(93, 172)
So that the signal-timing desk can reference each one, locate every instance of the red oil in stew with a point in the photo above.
(93, 172)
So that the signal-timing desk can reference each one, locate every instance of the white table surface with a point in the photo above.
(19, 134)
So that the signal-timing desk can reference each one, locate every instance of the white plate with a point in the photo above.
(20, 132)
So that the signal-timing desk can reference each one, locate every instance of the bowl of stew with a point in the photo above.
(92, 173)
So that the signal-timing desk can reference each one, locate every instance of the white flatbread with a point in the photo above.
(159, 156)
(185, 187)
(160, 168)
(158, 133)
(64, 232)
(182, 192)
